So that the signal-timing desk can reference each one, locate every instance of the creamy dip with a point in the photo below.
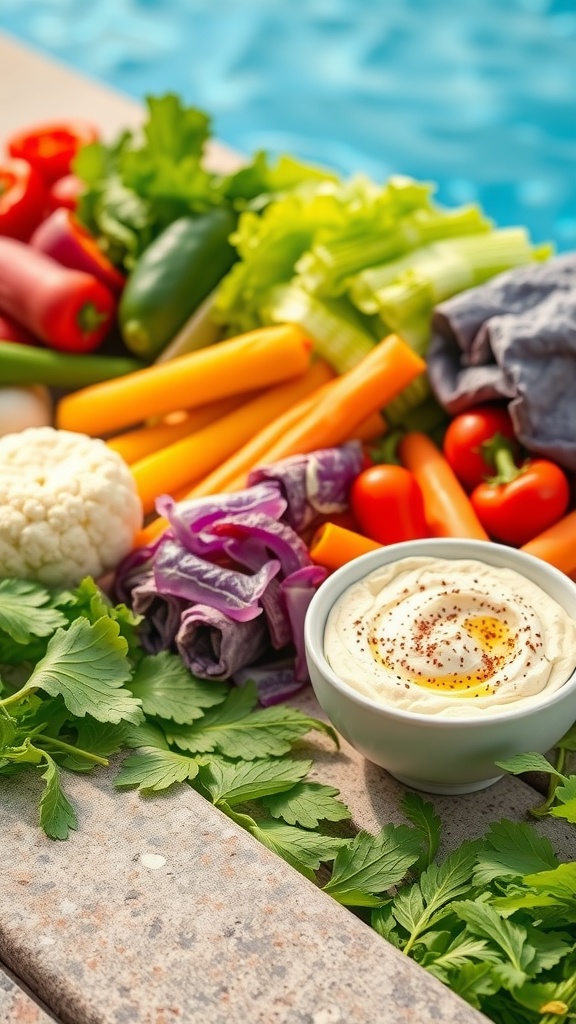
(449, 637)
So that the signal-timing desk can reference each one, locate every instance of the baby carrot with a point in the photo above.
(136, 444)
(177, 465)
(253, 360)
(333, 546)
(557, 544)
(446, 505)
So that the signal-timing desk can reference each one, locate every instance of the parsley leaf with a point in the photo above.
(371, 864)
(307, 804)
(87, 665)
(234, 731)
(242, 781)
(421, 905)
(427, 822)
(168, 689)
(566, 795)
(152, 769)
(24, 613)
(304, 850)
(484, 920)
(57, 816)
(512, 848)
(520, 763)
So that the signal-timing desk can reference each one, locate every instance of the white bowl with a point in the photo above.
(430, 752)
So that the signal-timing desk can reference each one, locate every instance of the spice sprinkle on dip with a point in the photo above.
(450, 637)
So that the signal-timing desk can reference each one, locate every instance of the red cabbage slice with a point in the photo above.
(298, 590)
(275, 682)
(183, 574)
(253, 537)
(161, 616)
(214, 646)
(134, 569)
(314, 484)
(190, 519)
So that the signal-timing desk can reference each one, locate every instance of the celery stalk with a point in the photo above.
(335, 327)
(326, 267)
(405, 290)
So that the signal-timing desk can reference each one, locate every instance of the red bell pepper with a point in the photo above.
(65, 192)
(51, 147)
(11, 330)
(62, 237)
(67, 309)
(23, 198)
(519, 502)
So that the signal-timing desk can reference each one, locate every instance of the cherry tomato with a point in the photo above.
(51, 147)
(22, 199)
(517, 511)
(387, 502)
(464, 438)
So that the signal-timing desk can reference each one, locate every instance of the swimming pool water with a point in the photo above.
(476, 95)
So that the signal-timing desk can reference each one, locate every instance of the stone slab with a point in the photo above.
(17, 1005)
(162, 910)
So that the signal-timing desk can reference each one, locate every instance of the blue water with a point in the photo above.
(476, 95)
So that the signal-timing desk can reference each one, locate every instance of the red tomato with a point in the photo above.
(517, 511)
(51, 147)
(387, 502)
(464, 438)
(22, 199)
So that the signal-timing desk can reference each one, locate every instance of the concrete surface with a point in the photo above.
(162, 910)
(17, 1005)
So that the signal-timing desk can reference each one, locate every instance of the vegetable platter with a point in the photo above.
(247, 391)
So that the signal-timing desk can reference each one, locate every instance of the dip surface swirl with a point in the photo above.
(450, 637)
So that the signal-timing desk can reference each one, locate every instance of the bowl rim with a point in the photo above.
(371, 560)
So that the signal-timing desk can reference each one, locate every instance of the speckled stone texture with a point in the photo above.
(18, 1006)
(162, 910)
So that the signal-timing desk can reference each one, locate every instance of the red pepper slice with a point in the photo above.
(69, 310)
(23, 198)
(65, 192)
(11, 330)
(51, 147)
(62, 237)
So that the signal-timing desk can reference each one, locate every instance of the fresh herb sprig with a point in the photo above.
(495, 920)
(560, 800)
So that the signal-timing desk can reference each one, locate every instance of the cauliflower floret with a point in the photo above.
(69, 507)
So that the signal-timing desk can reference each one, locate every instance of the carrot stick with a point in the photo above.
(333, 546)
(446, 505)
(177, 465)
(336, 413)
(371, 428)
(136, 444)
(385, 371)
(253, 360)
(557, 544)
